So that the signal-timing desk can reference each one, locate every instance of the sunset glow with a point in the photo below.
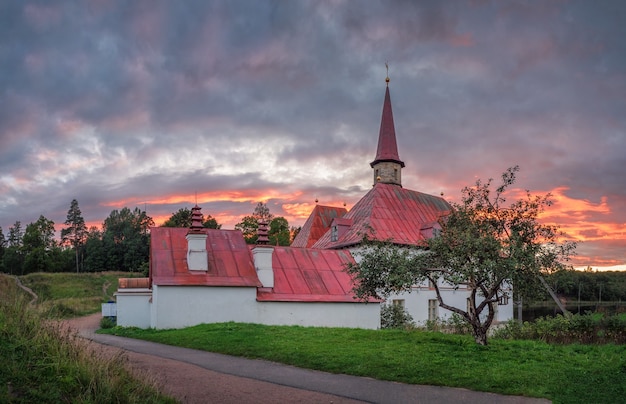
(128, 106)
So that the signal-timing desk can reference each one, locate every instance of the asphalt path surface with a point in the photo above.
(192, 376)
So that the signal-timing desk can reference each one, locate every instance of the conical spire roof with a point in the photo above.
(387, 146)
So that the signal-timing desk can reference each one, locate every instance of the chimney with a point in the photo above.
(262, 255)
(197, 256)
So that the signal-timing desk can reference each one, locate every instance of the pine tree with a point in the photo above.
(76, 233)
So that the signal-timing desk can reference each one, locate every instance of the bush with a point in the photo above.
(588, 328)
(108, 322)
(395, 316)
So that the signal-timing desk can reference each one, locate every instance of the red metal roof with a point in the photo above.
(316, 225)
(300, 274)
(387, 146)
(390, 212)
(309, 275)
(230, 262)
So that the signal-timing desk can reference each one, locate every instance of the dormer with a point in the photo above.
(338, 227)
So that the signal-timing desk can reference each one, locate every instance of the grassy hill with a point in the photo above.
(65, 295)
(43, 362)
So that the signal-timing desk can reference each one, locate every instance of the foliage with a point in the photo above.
(76, 232)
(562, 373)
(483, 246)
(36, 250)
(44, 362)
(589, 286)
(182, 218)
(279, 232)
(107, 322)
(589, 328)
(395, 316)
(126, 239)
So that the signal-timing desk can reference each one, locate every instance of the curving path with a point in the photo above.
(193, 376)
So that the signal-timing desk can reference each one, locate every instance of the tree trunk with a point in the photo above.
(480, 337)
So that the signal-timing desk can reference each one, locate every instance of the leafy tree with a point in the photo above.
(38, 246)
(3, 246)
(76, 232)
(182, 218)
(279, 231)
(15, 235)
(294, 232)
(95, 252)
(126, 237)
(482, 246)
(249, 225)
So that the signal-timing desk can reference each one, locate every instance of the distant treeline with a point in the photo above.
(121, 244)
(588, 285)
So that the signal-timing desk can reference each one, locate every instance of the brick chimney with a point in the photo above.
(262, 255)
(197, 256)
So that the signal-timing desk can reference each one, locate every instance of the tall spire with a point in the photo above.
(387, 164)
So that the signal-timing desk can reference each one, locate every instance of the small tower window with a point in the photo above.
(334, 233)
(395, 174)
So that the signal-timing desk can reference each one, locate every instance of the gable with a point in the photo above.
(316, 225)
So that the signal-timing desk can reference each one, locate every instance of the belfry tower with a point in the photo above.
(387, 164)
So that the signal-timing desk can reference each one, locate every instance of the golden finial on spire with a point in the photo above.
(387, 79)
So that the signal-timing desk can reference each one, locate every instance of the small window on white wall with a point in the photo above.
(398, 302)
(432, 309)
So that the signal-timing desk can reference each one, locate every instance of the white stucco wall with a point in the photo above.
(183, 306)
(349, 315)
(133, 307)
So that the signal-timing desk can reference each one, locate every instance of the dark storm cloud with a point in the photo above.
(114, 102)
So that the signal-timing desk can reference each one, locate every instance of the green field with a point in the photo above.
(563, 373)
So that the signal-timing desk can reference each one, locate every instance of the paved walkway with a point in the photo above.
(345, 388)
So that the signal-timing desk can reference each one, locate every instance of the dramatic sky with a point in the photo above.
(159, 104)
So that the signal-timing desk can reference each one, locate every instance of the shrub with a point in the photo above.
(588, 328)
(395, 316)
(108, 322)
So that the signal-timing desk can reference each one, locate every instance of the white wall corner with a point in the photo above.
(263, 264)
(197, 258)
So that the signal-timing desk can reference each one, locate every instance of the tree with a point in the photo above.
(182, 218)
(95, 252)
(76, 232)
(249, 225)
(3, 245)
(279, 232)
(38, 246)
(483, 246)
(126, 238)
(15, 235)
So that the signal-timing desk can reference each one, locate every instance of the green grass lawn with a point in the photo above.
(562, 373)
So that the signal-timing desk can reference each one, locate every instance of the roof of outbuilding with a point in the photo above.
(390, 212)
(230, 263)
(316, 225)
(309, 275)
(300, 274)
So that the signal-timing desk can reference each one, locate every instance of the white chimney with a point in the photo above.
(197, 256)
(263, 263)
